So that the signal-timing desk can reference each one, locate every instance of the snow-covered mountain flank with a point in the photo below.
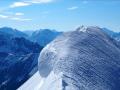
(85, 59)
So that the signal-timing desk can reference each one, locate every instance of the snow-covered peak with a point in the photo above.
(89, 29)
(88, 61)
(82, 28)
(80, 61)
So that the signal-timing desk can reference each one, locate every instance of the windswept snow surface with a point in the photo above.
(36, 82)
(88, 59)
(79, 60)
(33, 83)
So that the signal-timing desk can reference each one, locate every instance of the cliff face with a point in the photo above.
(85, 59)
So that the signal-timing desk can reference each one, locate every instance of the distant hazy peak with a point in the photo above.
(8, 28)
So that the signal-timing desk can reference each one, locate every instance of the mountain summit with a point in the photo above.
(85, 59)
(44, 36)
(12, 32)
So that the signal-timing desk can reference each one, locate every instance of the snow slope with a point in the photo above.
(86, 59)
(32, 83)
(36, 82)
(89, 60)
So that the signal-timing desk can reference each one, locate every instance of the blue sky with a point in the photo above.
(62, 15)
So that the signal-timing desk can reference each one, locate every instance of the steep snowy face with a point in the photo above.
(88, 60)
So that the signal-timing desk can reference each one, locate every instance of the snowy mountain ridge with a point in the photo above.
(78, 60)
(90, 62)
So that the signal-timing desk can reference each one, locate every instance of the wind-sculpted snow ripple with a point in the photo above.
(88, 60)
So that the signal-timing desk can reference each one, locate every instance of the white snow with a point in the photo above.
(34, 83)
(82, 29)
(88, 61)
(87, 57)
(52, 82)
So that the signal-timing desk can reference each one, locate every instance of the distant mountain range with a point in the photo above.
(115, 35)
(44, 36)
(13, 32)
(18, 58)
(28, 32)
